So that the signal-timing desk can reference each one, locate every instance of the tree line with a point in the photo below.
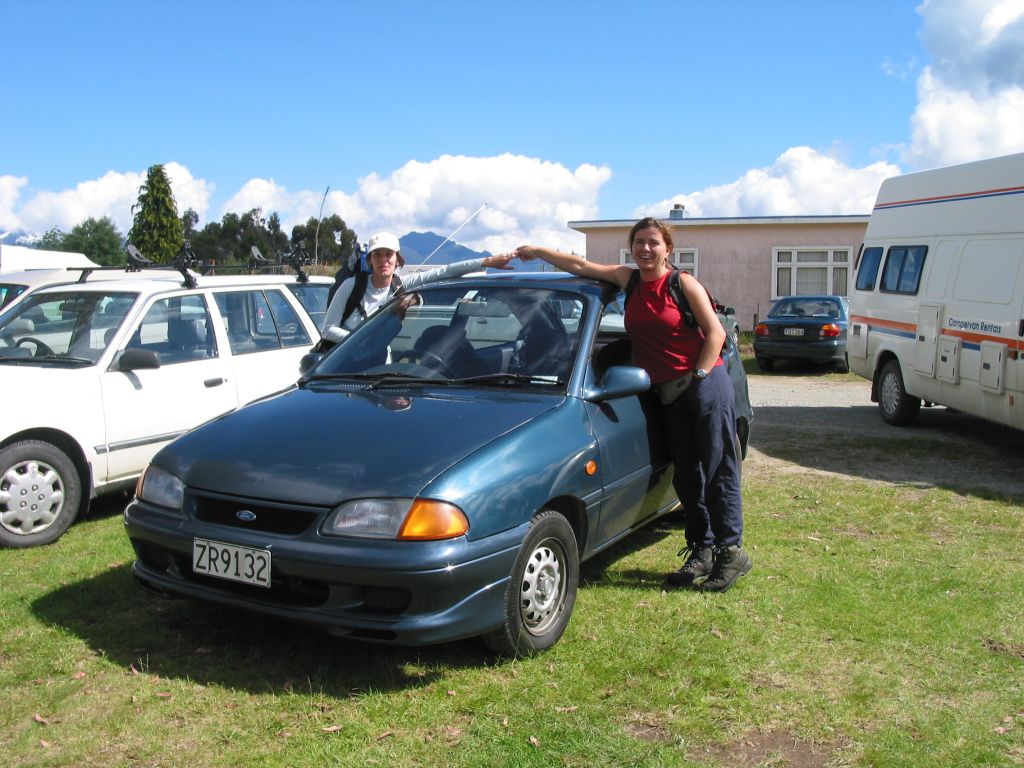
(160, 233)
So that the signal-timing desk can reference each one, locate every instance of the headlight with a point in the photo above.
(160, 487)
(402, 519)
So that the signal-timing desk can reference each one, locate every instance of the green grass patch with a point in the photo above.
(881, 626)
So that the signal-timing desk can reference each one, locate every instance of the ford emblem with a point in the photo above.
(245, 515)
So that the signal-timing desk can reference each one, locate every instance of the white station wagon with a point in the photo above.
(96, 377)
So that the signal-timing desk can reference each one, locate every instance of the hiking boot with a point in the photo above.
(699, 561)
(730, 564)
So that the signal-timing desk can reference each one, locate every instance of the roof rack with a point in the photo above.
(188, 264)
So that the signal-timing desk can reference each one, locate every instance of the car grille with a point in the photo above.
(287, 519)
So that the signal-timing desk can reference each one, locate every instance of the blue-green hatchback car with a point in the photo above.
(438, 475)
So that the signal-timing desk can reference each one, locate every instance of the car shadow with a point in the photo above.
(213, 645)
(597, 570)
(943, 448)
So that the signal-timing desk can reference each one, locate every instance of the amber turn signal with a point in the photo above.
(429, 520)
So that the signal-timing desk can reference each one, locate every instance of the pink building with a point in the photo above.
(748, 262)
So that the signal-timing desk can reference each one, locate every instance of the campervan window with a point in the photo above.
(868, 270)
(902, 272)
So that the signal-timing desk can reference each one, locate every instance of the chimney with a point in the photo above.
(678, 211)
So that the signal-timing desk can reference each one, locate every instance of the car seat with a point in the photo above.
(450, 344)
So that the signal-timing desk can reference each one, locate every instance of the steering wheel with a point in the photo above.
(41, 348)
(426, 359)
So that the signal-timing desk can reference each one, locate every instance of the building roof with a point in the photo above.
(712, 221)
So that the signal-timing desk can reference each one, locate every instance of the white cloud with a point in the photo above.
(111, 195)
(801, 181)
(971, 98)
(526, 199)
(10, 191)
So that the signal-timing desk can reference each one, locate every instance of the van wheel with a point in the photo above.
(40, 493)
(541, 590)
(897, 407)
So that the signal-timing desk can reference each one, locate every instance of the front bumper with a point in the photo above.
(401, 593)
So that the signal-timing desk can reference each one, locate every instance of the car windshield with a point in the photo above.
(807, 307)
(69, 326)
(495, 335)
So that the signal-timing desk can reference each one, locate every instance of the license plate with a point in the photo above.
(792, 331)
(232, 562)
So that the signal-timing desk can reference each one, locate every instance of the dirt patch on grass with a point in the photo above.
(826, 423)
(770, 749)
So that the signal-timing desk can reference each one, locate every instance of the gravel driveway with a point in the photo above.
(821, 422)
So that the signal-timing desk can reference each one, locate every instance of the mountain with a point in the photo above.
(17, 237)
(417, 246)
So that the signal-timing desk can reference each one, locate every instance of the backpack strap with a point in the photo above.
(359, 290)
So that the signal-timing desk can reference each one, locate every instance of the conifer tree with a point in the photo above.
(156, 231)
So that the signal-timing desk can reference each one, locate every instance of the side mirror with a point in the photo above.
(619, 381)
(138, 359)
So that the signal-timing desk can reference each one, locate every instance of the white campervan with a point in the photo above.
(937, 310)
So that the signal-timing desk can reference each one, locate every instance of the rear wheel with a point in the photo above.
(542, 589)
(764, 363)
(40, 493)
(896, 406)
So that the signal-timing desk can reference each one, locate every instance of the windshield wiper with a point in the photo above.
(46, 359)
(374, 379)
(508, 378)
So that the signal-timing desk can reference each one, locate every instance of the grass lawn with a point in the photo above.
(881, 626)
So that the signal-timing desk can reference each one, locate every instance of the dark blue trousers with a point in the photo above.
(701, 427)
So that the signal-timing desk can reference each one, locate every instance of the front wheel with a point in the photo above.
(40, 493)
(542, 589)
(896, 406)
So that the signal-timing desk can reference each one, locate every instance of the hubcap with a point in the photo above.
(543, 588)
(31, 497)
(890, 393)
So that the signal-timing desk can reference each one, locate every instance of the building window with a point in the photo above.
(683, 258)
(810, 271)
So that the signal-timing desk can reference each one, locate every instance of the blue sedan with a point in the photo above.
(809, 328)
(439, 475)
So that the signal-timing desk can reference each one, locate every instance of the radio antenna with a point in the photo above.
(319, 216)
(447, 239)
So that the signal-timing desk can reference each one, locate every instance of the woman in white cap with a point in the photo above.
(360, 296)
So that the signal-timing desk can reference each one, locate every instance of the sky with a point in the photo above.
(499, 123)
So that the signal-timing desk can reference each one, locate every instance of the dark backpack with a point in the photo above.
(675, 290)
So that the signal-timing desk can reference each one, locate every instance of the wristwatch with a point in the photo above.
(700, 373)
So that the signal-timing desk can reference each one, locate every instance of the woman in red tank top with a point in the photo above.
(696, 394)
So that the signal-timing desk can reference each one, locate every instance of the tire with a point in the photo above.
(764, 363)
(541, 590)
(895, 405)
(843, 366)
(40, 493)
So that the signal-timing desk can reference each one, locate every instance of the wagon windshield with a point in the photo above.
(493, 334)
(69, 327)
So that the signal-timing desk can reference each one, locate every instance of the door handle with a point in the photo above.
(213, 382)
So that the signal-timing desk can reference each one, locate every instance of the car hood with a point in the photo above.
(316, 446)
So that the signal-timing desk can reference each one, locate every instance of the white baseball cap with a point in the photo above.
(383, 240)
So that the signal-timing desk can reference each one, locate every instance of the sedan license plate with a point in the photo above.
(793, 331)
(232, 562)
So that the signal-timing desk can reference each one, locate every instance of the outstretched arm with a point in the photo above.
(576, 265)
